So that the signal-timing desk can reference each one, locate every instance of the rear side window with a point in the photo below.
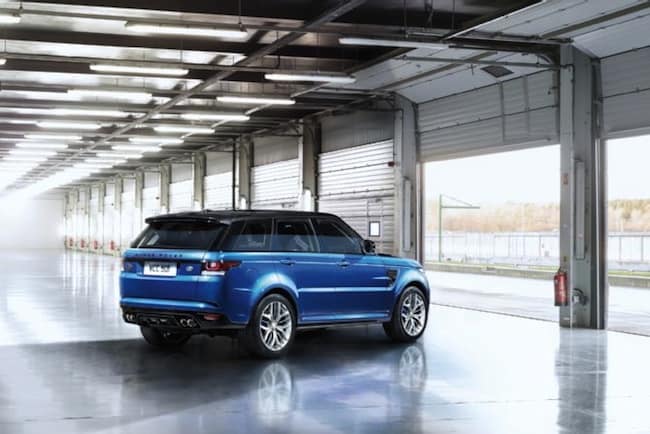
(179, 235)
(294, 236)
(333, 238)
(250, 235)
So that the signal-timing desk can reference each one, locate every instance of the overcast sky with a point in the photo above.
(533, 175)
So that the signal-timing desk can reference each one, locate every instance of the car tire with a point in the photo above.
(410, 316)
(272, 328)
(163, 339)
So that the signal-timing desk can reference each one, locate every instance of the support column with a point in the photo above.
(198, 167)
(583, 216)
(139, 186)
(165, 180)
(117, 215)
(406, 198)
(310, 147)
(245, 163)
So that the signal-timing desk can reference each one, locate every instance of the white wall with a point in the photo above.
(31, 224)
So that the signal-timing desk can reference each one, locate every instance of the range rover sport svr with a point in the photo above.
(262, 275)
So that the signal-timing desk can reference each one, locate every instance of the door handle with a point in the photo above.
(287, 261)
(344, 264)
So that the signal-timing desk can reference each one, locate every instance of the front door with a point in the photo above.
(313, 273)
(363, 287)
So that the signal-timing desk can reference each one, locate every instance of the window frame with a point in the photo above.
(344, 228)
(310, 225)
(244, 222)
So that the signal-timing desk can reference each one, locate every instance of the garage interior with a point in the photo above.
(115, 111)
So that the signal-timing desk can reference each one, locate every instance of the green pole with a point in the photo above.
(440, 228)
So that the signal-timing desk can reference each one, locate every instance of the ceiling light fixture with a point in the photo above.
(3, 61)
(31, 152)
(255, 100)
(85, 112)
(215, 117)
(145, 70)
(156, 140)
(111, 94)
(183, 129)
(110, 155)
(405, 43)
(35, 159)
(326, 78)
(61, 137)
(63, 125)
(186, 30)
(7, 18)
(35, 145)
(136, 148)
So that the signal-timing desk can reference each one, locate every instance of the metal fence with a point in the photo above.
(628, 251)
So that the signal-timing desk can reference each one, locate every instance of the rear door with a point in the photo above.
(363, 287)
(314, 273)
(165, 261)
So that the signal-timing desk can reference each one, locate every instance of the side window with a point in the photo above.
(335, 239)
(294, 236)
(250, 235)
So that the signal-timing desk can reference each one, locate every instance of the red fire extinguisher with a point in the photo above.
(95, 244)
(111, 245)
(560, 283)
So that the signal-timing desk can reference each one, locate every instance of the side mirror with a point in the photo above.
(369, 246)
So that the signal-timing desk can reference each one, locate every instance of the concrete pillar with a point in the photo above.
(245, 150)
(406, 179)
(165, 180)
(583, 216)
(198, 167)
(139, 186)
(310, 147)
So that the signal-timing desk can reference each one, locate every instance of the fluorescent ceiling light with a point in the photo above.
(85, 112)
(111, 94)
(63, 125)
(146, 70)
(6, 18)
(30, 152)
(135, 148)
(214, 117)
(326, 78)
(22, 121)
(189, 129)
(62, 137)
(156, 140)
(255, 100)
(24, 158)
(36, 145)
(93, 165)
(109, 155)
(177, 29)
(3, 61)
(392, 43)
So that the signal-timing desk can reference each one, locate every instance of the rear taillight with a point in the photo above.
(218, 268)
(127, 266)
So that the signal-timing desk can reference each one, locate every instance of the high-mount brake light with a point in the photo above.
(218, 268)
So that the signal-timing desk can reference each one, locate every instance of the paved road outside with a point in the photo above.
(629, 308)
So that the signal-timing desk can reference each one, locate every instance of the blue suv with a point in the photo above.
(262, 275)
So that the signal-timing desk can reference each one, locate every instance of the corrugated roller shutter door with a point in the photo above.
(518, 113)
(95, 221)
(358, 185)
(626, 93)
(180, 196)
(218, 191)
(150, 202)
(127, 219)
(276, 185)
(109, 222)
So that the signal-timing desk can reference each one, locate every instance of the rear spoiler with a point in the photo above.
(177, 218)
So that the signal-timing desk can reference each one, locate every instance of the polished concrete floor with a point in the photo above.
(68, 365)
(629, 308)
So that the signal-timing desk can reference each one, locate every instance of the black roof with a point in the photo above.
(213, 215)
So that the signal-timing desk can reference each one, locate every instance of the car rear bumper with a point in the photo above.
(189, 317)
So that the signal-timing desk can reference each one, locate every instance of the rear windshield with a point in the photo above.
(179, 235)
